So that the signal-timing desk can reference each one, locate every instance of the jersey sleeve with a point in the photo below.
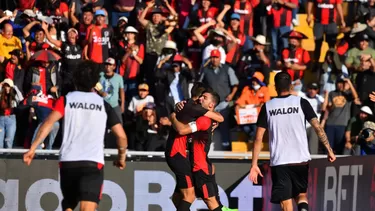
(262, 117)
(112, 118)
(60, 105)
(307, 110)
(201, 124)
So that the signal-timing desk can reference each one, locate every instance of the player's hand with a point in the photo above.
(214, 126)
(372, 96)
(254, 172)
(331, 157)
(179, 106)
(120, 164)
(28, 157)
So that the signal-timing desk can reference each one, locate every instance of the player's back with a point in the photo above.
(85, 120)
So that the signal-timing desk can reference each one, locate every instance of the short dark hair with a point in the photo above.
(198, 89)
(282, 82)
(215, 95)
(86, 76)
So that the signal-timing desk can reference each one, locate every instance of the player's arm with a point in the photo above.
(216, 116)
(261, 129)
(114, 123)
(202, 124)
(45, 129)
(313, 120)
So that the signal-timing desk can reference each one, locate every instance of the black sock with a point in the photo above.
(184, 206)
(218, 208)
(303, 206)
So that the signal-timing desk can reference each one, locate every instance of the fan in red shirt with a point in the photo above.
(245, 9)
(295, 59)
(99, 39)
(206, 13)
(325, 22)
(201, 131)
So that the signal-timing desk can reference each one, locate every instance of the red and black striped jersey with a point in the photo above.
(325, 10)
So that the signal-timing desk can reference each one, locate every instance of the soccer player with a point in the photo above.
(202, 169)
(284, 117)
(86, 117)
(176, 150)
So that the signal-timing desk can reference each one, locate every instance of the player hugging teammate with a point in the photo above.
(187, 150)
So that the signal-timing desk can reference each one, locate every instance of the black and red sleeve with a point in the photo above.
(112, 118)
(262, 117)
(59, 105)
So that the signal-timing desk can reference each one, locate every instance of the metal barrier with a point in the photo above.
(131, 153)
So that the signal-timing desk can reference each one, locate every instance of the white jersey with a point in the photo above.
(285, 119)
(86, 117)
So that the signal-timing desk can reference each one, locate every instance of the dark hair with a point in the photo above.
(39, 29)
(7, 99)
(86, 76)
(215, 96)
(87, 8)
(198, 89)
(282, 82)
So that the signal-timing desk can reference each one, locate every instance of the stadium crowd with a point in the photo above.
(152, 52)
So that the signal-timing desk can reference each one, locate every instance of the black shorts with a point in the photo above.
(288, 181)
(80, 181)
(181, 167)
(330, 30)
(205, 185)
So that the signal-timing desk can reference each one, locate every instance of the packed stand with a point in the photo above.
(152, 52)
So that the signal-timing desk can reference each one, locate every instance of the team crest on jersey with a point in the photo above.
(106, 33)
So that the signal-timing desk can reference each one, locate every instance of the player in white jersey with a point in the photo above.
(86, 117)
(285, 119)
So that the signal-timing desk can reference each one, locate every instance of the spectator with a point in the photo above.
(14, 69)
(353, 59)
(255, 59)
(337, 107)
(365, 79)
(76, 10)
(193, 49)
(9, 99)
(169, 51)
(217, 40)
(332, 70)
(54, 8)
(237, 39)
(46, 75)
(120, 28)
(223, 80)
(363, 10)
(41, 107)
(156, 37)
(205, 13)
(72, 55)
(131, 61)
(148, 137)
(139, 102)
(324, 24)
(113, 88)
(85, 23)
(8, 42)
(316, 101)
(38, 42)
(99, 39)
(176, 79)
(246, 11)
(353, 129)
(281, 12)
(295, 59)
(255, 94)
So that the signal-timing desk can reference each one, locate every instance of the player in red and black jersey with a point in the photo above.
(325, 22)
(176, 153)
(202, 169)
